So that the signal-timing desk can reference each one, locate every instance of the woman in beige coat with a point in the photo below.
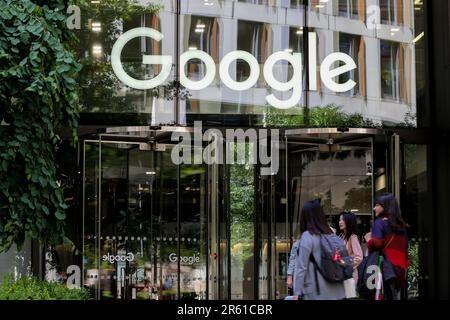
(347, 225)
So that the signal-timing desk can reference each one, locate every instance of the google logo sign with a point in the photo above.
(328, 71)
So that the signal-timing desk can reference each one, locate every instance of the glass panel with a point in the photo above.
(131, 249)
(351, 45)
(221, 27)
(101, 90)
(341, 179)
(392, 12)
(224, 233)
(264, 242)
(193, 232)
(165, 209)
(282, 233)
(414, 203)
(390, 69)
(242, 228)
(349, 8)
(90, 213)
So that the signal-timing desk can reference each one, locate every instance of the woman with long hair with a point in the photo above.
(313, 224)
(347, 226)
(389, 237)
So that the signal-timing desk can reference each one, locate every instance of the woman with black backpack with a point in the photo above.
(310, 281)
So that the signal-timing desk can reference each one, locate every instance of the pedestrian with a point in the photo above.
(389, 237)
(308, 283)
(347, 226)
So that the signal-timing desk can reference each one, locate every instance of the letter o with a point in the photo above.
(225, 75)
(210, 70)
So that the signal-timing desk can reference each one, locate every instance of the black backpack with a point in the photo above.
(335, 263)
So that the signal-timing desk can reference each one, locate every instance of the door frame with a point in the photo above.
(147, 140)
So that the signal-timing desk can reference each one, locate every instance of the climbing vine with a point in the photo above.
(38, 98)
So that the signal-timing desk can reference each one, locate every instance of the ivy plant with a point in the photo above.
(38, 99)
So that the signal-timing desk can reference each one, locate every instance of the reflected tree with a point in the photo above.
(319, 117)
(360, 197)
(101, 90)
(242, 190)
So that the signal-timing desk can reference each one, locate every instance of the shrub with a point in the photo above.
(29, 288)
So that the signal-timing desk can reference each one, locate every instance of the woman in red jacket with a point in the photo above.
(389, 236)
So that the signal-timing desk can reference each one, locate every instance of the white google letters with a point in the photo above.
(184, 259)
(119, 258)
(327, 71)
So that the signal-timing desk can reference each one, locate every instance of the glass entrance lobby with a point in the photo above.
(157, 230)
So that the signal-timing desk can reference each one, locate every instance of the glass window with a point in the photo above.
(296, 3)
(203, 35)
(390, 70)
(263, 2)
(242, 224)
(391, 12)
(415, 201)
(253, 37)
(101, 90)
(349, 8)
(353, 46)
(249, 26)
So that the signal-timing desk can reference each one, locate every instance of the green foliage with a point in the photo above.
(99, 86)
(319, 117)
(29, 288)
(38, 98)
(242, 192)
(413, 269)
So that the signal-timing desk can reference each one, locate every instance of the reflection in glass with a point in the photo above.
(390, 69)
(353, 46)
(414, 202)
(350, 8)
(256, 38)
(341, 179)
(391, 11)
(131, 245)
(242, 191)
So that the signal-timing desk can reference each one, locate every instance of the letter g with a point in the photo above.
(116, 63)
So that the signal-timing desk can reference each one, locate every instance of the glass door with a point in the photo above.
(145, 226)
(339, 174)
(258, 216)
(325, 164)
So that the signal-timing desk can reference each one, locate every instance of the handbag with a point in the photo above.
(350, 288)
(386, 269)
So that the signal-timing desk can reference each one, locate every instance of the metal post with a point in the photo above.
(99, 214)
(177, 55)
(306, 59)
(178, 234)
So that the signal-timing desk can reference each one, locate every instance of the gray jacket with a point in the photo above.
(293, 258)
(304, 279)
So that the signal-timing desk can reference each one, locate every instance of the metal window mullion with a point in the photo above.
(99, 213)
(178, 234)
(83, 210)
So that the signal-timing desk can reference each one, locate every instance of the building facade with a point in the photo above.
(150, 227)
